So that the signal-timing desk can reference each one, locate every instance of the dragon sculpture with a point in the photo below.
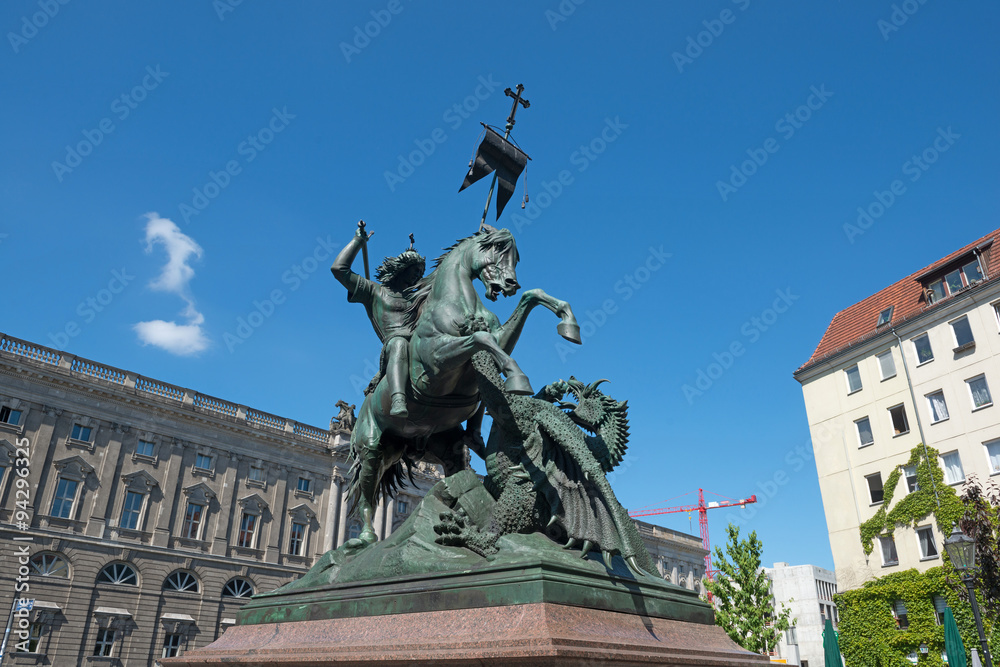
(546, 461)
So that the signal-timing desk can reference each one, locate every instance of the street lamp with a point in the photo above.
(961, 550)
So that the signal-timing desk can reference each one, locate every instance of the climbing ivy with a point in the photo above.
(870, 637)
(916, 506)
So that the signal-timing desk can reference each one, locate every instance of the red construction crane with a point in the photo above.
(702, 519)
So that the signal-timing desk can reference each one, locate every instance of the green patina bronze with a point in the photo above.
(543, 526)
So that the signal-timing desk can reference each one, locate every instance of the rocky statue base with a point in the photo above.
(410, 600)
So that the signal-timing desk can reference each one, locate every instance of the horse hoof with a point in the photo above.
(518, 385)
(570, 332)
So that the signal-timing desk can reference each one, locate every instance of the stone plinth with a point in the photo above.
(531, 635)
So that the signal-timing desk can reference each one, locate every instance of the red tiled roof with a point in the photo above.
(856, 323)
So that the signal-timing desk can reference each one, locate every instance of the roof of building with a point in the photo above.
(857, 323)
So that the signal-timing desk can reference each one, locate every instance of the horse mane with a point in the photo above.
(488, 237)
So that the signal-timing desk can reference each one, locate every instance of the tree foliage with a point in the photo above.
(744, 606)
(981, 521)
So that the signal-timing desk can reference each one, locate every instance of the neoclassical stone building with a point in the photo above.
(142, 515)
(139, 516)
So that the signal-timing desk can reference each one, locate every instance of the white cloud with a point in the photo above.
(180, 339)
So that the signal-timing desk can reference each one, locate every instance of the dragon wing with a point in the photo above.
(606, 418)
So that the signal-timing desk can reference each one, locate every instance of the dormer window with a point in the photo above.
(954, 281)
(884, 317)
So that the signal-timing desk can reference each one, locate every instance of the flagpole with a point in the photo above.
(510, 126)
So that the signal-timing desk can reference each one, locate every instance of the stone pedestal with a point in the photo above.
(529, 635)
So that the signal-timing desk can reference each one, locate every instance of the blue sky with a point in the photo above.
(710, 155)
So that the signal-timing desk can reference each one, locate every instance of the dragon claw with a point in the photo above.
(552, 521)
(607, 559)
(585, 549)
(570, 543)
(633, 564)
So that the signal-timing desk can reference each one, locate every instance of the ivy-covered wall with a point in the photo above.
(869, 636)
(916, 506)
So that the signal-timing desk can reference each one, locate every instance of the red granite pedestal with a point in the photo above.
(530, 635)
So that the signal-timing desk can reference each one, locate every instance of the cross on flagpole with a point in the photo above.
(510, 126)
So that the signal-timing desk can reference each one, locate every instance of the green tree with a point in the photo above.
(981, 521)
(744, 606)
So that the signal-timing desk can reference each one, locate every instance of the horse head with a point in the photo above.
(495, 261)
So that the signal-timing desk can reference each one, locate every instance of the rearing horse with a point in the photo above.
(451, 324)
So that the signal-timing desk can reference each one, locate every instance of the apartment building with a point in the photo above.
(914, 364)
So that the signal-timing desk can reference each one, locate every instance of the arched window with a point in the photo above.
(179, 580)
(237, 588)
(118, 573)
(50, 565)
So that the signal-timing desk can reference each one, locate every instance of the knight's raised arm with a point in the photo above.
(341, 268)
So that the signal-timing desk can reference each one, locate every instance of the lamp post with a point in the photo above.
(961, 551)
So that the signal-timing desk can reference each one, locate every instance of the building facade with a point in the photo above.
(139, 516)
(914, 365)
(679, 557)
(808, 592)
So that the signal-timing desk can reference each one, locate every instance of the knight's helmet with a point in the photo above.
(391, 267)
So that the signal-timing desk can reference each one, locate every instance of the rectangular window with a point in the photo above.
(256, 474)
(899, 611)
(192, 520)
(996, 311)
(953, 472)
(922, 348)
(940, 604)
(402, 507)
(888, 545)
(105, 641)
(973, 274)
(887, 365)
(8, 416)
(35, 637)
(938, 408)
(875, 490)
(910, 476)
(791, 637)
(171, 645)
(297, 540)
(925, 537)
(993, 454)
(305, 485)
(248, 529)
(980, 392)
(81, 433)
(963, 333)
(864, 432)
(899, 423)
(853, 379)
(144, 448)
(884, 317)
(62, 503)
(203, 461)
(954, 281)
(936, 291)
(132, 510)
